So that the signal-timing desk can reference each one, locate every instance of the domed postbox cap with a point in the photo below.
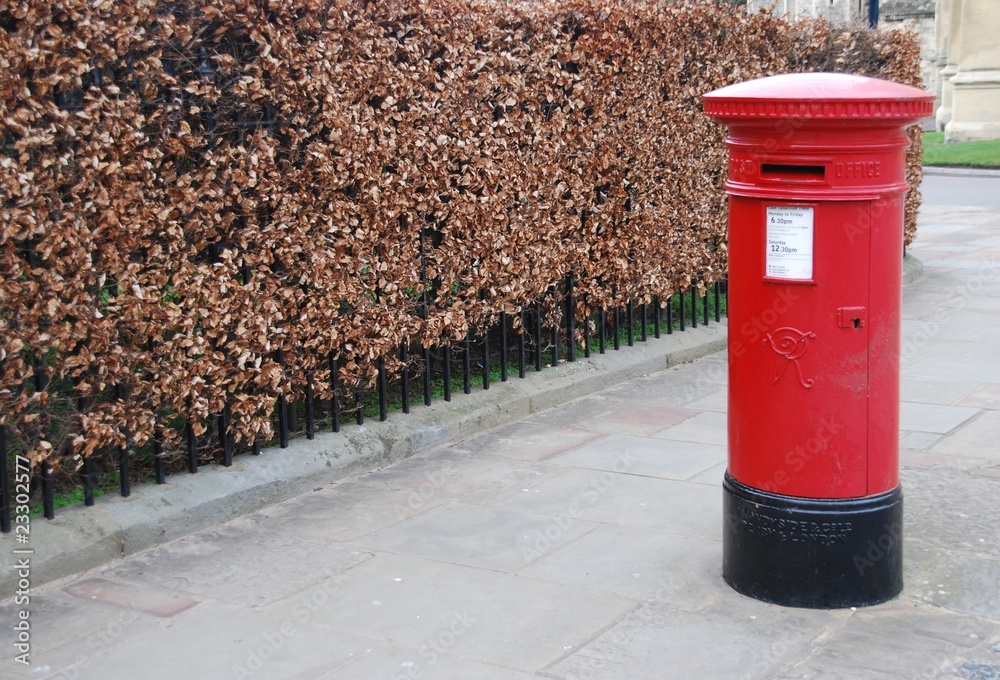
(819, 97)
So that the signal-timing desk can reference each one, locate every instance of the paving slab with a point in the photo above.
(964, 583)
(645, 565)
(684, 388)
(226, 641)
(644, 456)
(909, 644)
(952, 510)
(713, 476)
(238, 562)
(732, 638)
(911, 459)
(952, 548)
(627, 500)
(707, 427)
(917, 440)
(487, 537)
(151, 600)
(919, 347)
(583, 410)
(66, 631)
(640, 420)
(966, 371)
(933, 417)
(346, 511)
(935, 391)
(717, 401)
(518, 623)
(983, 396)
(527, 440)
(430, 661)
(988, 333)
(976, 439)
(976, 317)
(980, 302)
(456, 474)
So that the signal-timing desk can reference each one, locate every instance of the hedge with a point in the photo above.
(204, 201)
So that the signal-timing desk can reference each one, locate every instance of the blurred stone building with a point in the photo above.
(960, 53)
(834, 10)
(920, 15)
(967, 62)
(892, 13)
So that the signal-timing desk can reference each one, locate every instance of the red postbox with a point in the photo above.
(813, 508)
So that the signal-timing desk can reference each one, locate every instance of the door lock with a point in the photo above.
(852, 317)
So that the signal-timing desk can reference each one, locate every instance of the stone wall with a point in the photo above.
(967, 69)
(920, 15)
(834, 10)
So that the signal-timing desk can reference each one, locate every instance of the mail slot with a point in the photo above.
(792, 173)
(816, 188)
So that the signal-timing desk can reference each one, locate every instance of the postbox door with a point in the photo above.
(799, 337)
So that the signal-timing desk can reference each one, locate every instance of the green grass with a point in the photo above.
(984, 154)
(65, 498)
(75, 496)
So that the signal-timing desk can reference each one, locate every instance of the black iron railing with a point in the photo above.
(539, 336)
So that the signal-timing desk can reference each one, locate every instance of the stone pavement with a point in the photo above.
(581, 542)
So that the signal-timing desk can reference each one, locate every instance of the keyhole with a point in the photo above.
(857, 323)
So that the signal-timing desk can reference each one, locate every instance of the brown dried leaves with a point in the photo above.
(239, 179)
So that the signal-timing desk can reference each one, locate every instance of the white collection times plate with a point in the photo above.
(789, 243)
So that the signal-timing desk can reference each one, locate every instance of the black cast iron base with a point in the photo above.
(815, 553)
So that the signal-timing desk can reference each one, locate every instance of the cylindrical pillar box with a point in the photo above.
(813, 508)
